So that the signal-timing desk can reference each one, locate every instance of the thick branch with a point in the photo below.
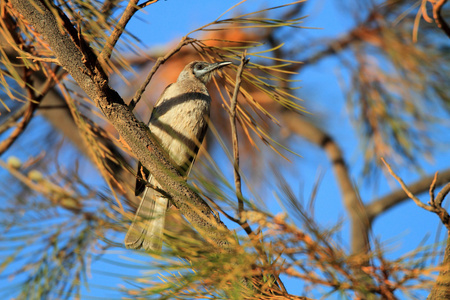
(355, 208)
(75, 57)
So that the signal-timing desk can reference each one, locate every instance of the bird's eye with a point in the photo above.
(199, 67)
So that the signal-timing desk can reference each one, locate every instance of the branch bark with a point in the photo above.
(54, 108)
(78, 59)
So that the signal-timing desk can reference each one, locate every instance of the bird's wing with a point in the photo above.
(141, 181)
(196, 149)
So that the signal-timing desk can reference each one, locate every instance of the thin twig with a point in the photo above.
(216, 206)
(42, 59)
(440, 22)
(130, 10)
(147, 3)
(442, 194)
(432, 188)
(237, 176)
(234, 136)
(405, 188)
(423, 11)
(435, 204)
(161, 60)
(378, 206)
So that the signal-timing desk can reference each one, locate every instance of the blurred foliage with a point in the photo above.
(397, 87)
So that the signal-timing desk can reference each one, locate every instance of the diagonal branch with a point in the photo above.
(130, 10)
(441, 289)
(147, 3)
(92, 80)
(161, 60)
(351, 199)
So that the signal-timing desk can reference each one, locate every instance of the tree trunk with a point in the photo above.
(441, 289)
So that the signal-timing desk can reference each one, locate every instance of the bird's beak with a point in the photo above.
(206, 74)
(217, 65)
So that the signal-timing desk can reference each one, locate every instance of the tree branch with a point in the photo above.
(76, 57)
(441, 289)
(130, 10)
(147, 3)
(434, 205)
(405, 188)
(161, 60)
(354, 206)
(377, 207)
(237, 177)
(234, 136)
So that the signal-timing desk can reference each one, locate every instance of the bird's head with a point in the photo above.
(201, 70)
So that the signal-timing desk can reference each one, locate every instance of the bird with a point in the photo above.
(179, 121)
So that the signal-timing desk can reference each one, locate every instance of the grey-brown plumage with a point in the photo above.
(179, 123)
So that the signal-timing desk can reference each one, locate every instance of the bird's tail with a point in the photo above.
(147, 228)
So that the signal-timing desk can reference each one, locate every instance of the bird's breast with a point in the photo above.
(179, 122)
